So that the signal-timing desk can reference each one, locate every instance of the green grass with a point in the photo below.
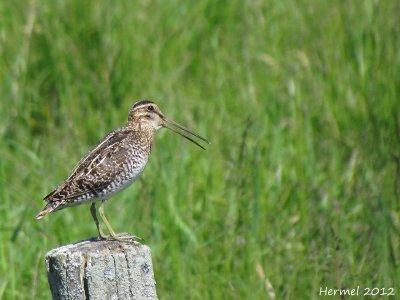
(301, 185)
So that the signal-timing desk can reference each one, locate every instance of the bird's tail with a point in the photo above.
(46, 210)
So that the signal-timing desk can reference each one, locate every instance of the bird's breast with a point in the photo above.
(131, 169)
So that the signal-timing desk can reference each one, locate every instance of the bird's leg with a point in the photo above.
(118, 237)
(94, 215)
(103, 217)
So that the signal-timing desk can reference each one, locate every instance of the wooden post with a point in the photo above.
(95, 269)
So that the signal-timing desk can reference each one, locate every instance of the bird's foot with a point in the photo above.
(125, 237)
(102, 236)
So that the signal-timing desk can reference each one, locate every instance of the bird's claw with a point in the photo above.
(102, 236)
(125, 237)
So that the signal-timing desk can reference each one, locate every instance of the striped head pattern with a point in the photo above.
(147, 112)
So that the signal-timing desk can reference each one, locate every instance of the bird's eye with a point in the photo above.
(150, 108)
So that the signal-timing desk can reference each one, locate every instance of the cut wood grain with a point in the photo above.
(95, 269)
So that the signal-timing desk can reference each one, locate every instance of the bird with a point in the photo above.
(114, 164)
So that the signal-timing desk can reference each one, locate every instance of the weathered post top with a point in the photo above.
(94, 269)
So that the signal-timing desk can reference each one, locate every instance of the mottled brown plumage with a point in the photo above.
(114, 163)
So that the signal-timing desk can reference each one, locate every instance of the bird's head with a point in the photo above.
(147, 112)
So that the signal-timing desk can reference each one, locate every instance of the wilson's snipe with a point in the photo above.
(115, 163)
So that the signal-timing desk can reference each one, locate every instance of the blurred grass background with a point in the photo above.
(300, 187)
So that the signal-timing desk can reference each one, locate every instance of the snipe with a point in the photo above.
(115, 163)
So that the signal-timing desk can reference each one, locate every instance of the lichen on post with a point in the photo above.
(94, 269)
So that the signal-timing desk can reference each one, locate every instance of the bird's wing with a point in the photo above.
(93, 171)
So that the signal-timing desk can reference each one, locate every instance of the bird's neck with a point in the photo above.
(144, 131)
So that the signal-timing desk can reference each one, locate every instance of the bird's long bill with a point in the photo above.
(186, 133)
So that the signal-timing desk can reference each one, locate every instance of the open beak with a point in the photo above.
(186, 133)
